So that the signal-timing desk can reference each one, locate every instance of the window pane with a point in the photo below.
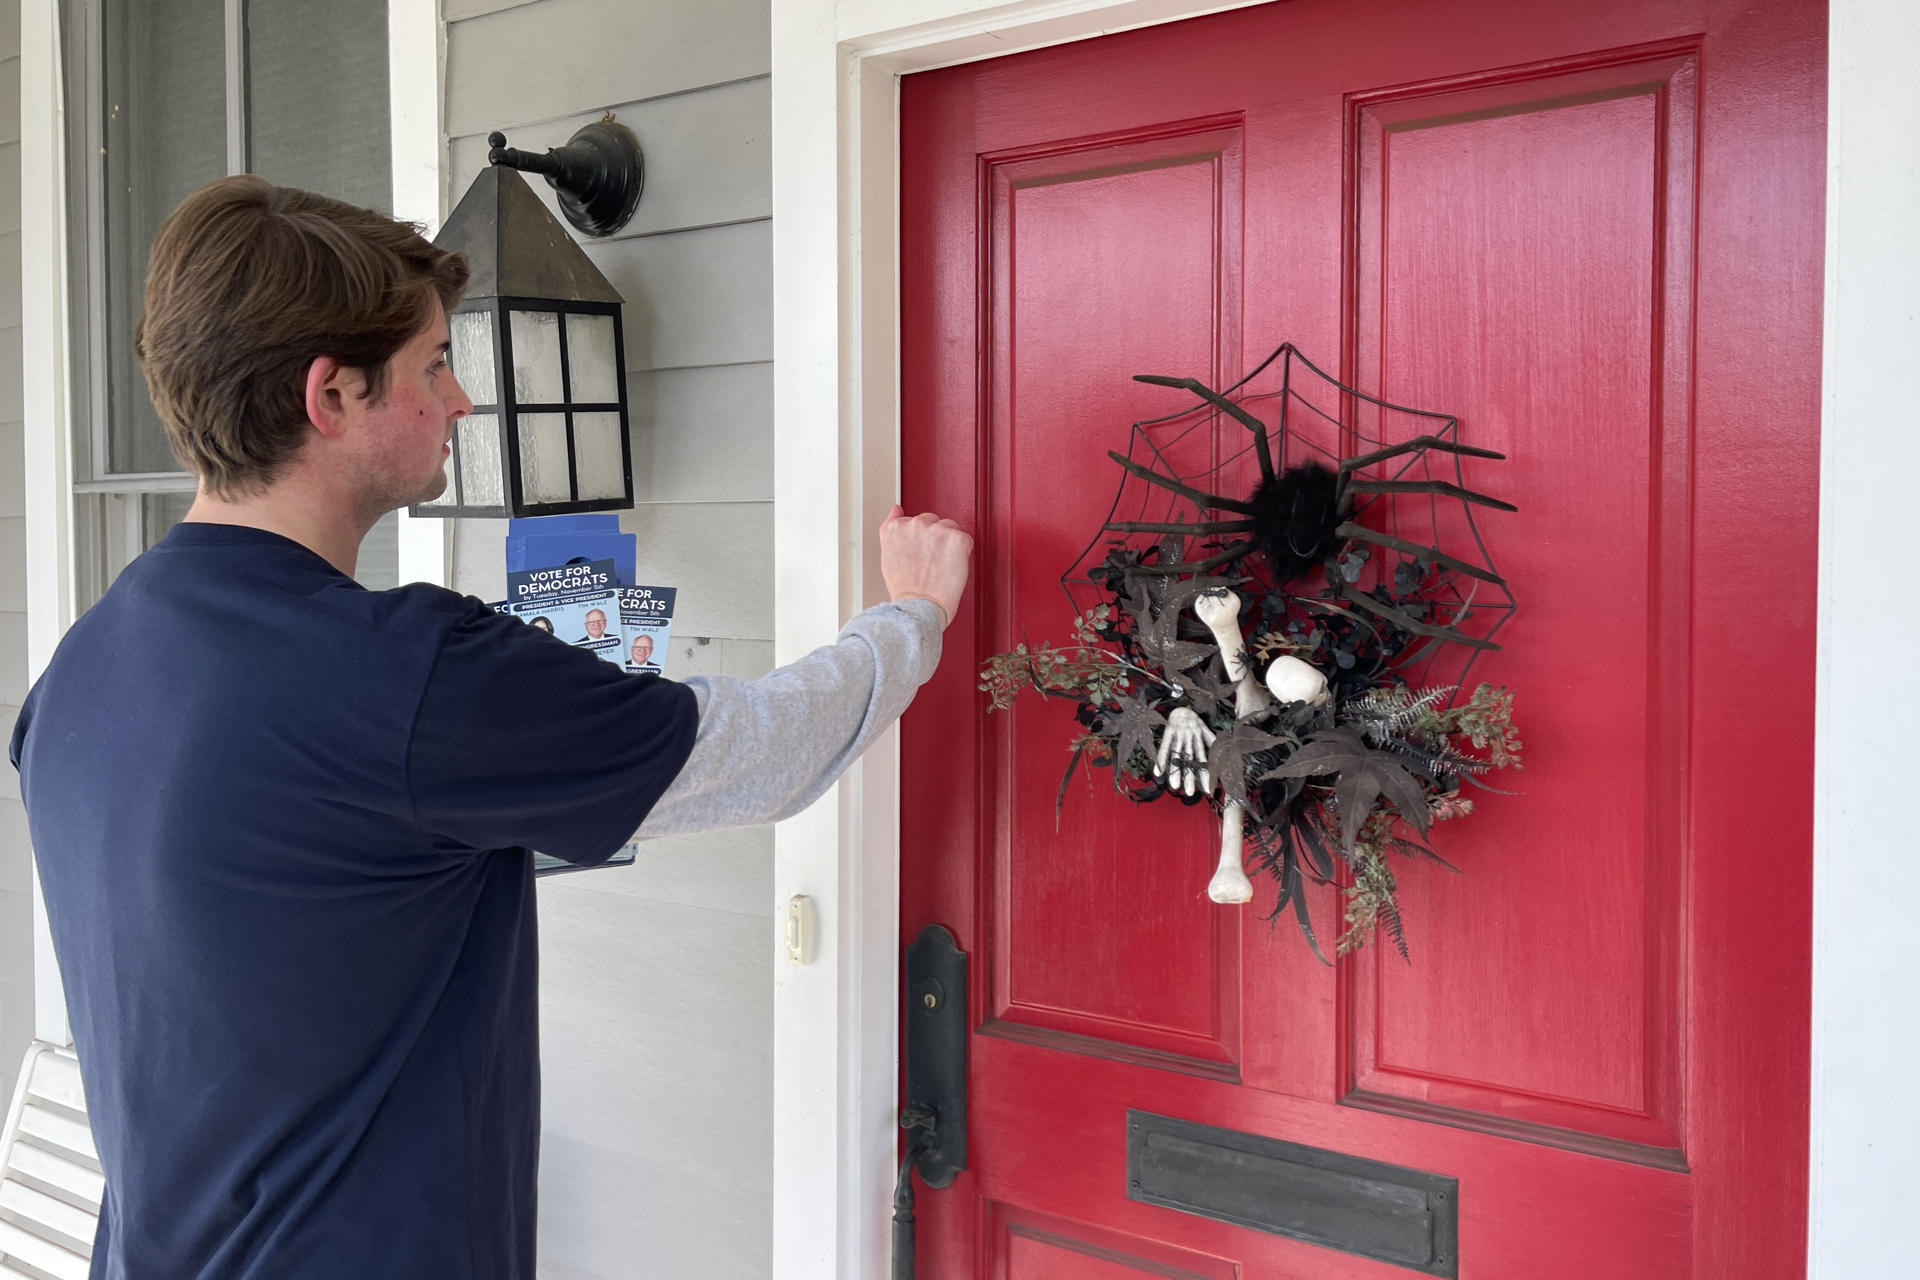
(536, 357)
(317, 97)
(159, 512)
(448, 495)
(596, 450)
(543, 458)
(165, 115)
(317, 118)
(481, 474)
(379, 565)
(125, 524)
(471, 333)
(590, 359)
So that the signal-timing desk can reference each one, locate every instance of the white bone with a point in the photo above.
(1185, 744)
(1230, 883)
(1291, 680)
(1219, 609)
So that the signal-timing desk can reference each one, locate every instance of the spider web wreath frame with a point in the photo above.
(1416, 667)
(1388, 735)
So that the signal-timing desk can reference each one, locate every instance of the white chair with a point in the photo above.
(50, 1180)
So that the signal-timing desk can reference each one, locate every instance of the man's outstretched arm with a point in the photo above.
(768, 748)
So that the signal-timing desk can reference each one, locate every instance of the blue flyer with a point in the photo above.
(646, 615)
(579, 603)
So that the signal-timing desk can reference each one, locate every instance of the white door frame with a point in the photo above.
(836, 65)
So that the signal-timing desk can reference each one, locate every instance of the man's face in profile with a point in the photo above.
(596, 624)
(642, 650)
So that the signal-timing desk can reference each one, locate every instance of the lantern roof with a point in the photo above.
(515, 248)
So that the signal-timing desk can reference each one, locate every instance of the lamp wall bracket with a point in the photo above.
(598, 175)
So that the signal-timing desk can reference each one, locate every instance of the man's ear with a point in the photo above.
(335, 394)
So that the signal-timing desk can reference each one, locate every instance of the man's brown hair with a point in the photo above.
(248, 283)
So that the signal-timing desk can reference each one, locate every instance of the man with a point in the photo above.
(283, 838)
(597, 640)
(640, 658)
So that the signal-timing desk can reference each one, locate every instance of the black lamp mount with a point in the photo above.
(598, 175)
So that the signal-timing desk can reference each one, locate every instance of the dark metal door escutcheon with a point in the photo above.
(933, 1108)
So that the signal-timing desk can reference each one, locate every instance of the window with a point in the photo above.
(164, 97)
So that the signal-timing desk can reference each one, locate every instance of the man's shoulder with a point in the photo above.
(423, 602)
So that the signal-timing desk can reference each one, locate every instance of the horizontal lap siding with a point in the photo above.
(16, 877)
(656, 981)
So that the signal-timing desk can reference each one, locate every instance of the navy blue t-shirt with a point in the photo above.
(282, 823)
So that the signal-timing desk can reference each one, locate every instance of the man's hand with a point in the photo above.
(925, 558)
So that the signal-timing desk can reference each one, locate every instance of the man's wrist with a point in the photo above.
(945, 617)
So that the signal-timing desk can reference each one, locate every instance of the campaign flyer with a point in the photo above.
(646, 615)
(579, 603)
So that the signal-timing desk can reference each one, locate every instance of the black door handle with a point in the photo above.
(934, 1108)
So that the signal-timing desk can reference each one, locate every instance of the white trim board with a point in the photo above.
(835, 195)
(46, 406)
(1865, 1122)
(417, 38)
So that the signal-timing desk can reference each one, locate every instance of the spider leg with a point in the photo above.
(1414, 446)
(1442, 488)
(1233, 552)
(1220, 402)
(1205, 501)
(1364, 534)
(1207, 527)
(1405, 623)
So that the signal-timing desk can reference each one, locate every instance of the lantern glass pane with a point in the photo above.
(447, 497)
(472, 336)
(543, 458)
(536, 358)
(482, 478)
(592, 360)
(596, 455)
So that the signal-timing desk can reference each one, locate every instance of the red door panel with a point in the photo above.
(1590, 230)
(1024, 1245)
(1521, 250)
(1100, 252)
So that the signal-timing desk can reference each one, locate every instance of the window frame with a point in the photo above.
(110, 508)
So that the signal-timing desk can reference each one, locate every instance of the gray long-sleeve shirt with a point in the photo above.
(768, 748)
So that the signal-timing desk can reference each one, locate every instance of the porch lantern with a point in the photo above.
(537, 340)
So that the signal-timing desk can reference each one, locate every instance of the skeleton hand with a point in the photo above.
(1183, 750)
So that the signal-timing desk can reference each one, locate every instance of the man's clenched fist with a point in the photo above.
(925, 558)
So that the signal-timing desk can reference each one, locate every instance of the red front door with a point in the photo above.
(1592, 231)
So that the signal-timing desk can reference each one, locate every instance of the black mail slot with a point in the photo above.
(1364, 1207)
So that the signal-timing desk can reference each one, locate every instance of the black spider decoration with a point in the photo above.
(1307, 516)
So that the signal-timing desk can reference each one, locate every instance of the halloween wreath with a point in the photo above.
(1282, 632)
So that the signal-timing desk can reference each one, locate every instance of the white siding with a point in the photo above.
(656, 979)
(16, 903)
